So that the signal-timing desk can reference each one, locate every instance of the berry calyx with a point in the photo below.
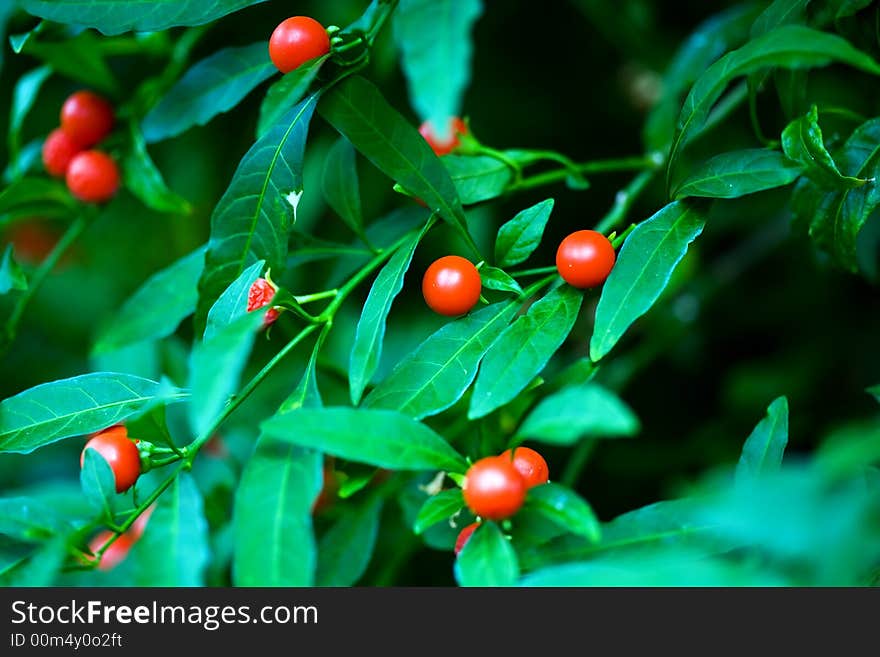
(58, 150)
(93, 177)
(451, 286)
(448, 143)
(259, 296)
(530, 464)
(297, 40)
(493, 488)
(86, 118)
(585, 258)
(464, 535)
(121, 455)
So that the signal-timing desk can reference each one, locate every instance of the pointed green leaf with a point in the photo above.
(340, 185)
(438, 507)
(306, 394)
(520, 236)
(345, 550)
(765, 446)
(735, 174)
(802, 142)
(493, 278)
(477, 177)
(487, 559)
(286, 92)
(643, 269)
(143, 179)
(779, 13)
(30, 519)
(24, 95)
(232, 304)
(30, 191)
(41, 568)
(98, 483)
(11, 275)
(565, 508)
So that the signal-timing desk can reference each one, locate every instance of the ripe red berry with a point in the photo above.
(451, 286)
(295, 41)
(93, 177)
(114, 554)
(464, 535)
(86, 118)
(259, 296)
(121, 454)
(443, 145)
(530, 465)
(58, 150)
(493, 488)
(585, 258)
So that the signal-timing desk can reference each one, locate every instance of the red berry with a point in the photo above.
(259, 296)
(464, 535)
(451, 286)
(93, 177)
(585, 258)
(114, 554)
(33, 240)
(58, 150)
(295, 41)
(530, 465)
(493, 488)
(86, 118)
(447, 144)
(120, 453)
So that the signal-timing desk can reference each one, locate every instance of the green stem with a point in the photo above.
(534, 287)
(576, 462)
(532, 272)
(624, 200)
(620, 239)
(386, 10)
(317, 296)
(596, 166)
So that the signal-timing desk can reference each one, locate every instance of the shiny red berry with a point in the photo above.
(295, 41)
(93, 177)
(86, 118)
(58, 150)
(585, 258)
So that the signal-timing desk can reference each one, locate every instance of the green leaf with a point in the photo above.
(367, 348)
(143, 179)
(216, 365)
(576, 412)
(286, 92)
(763, 449)
(274, 541)
(565, 508)
(791, 46)
(520, 236)
(232, 304)
(382, 438)
(40, 569)
(875, 392)
(74, 407)
(340, 185)
(477, 177)
(174, 549)
(30, 519)
(523, 350)
(436, 374)
(779, 13)
(643, 268)
(157, 307)
(438, 507)
(306, 393)
(357, 109)
(212, 86)
(30, 191)
(850, 7)
(252, 219)
(487, 559)
(493, 278)
(98, 483)
(735, 174)
(11, 275)
(434, 39)
(345, 550)
(24, 95)
(802, 142)
(118, 16)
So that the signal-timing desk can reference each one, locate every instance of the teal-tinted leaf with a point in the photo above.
(523, 349)
(382, 438)
(118, 16)
(79, 57)
(791, 46)
(434, 38)
(521, 235)
(493, 278)
(437, 373)
(157, 307)
(643, 268)
(252, 219)
(357, 109)
(11, 275)
(74, 407)
(367, 347)
(143, 179)
(26, 192)
(565, 508)
(216, 365)
(487, 559)
(174, 549)
(763, 449)
(735, 174)
(30, 519)
(340, 185)
(40, 569)
(232, 304)
(850, 7)
(576, 412)
(802, 142)
(438, 507)
(98, 483)
(287, 92)
(477, 177)
(779, 13)
(274, 541)
(306, 394)
(210, 87)
(24, 95)
(345, 550)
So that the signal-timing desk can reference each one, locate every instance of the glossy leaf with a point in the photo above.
(306, 394)
(802, 142)
(520, 236)
(11, 275)
(643, 268)
(576, 412)
(437, 508)
(340, 185)
(233, 303)
(523, 349)
(437, 373)
(497, 279)
(157, 307)
(565, 508)
(385, 439)
(477, 177)
(487, 559)
(345, 550)
(252, 219)
(31, 519)
(118, 16)
(765, 446)
(143, 179)
(210, 87)
(74, 407)
(40, 569)
(78, 57)
(286, 92)
(98, 483)
(737, 173)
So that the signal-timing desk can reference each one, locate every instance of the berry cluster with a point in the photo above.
(68, 152)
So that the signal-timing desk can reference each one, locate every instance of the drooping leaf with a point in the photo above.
(286, 92)
(802, 142)
(763, 449)
(143, 179)
(493, 278)
(520, 236)
(232, 304)
(340, 185)
(98, 483)
(487, 559)
(345, 550)
(11, 275)
(565, 508)
(643, 268)
(437, 508)
(737, 173)
(477, 177)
